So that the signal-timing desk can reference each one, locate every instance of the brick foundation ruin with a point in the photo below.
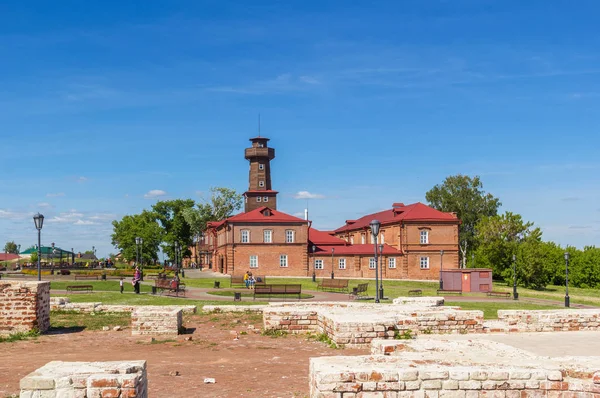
(156, 321)
(452, 369)
(24, 306)
(64, 304)
(123, 379)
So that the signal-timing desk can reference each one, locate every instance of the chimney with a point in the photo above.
(396, 205)
(306, 214)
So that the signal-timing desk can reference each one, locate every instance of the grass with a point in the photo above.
(109, 286)
(77, 320)
(19, 336)
(146, 299)
(490, 308)
(229, 293)
(557, 293)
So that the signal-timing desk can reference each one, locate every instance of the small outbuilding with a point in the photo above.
(468, 279)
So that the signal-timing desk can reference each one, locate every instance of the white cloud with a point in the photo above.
(69, 217)
(309, 80)
(14, 215)
(103, 217)
(54, 195)
(308, 195)
(82, 179)
(44, 205)
(82, 222)
(155, 193)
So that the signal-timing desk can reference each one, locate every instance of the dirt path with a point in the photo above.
(253, 366)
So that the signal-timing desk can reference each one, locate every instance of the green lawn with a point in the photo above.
(249, 293)
(110, 285)
(60, 320)
(577, 295)
(490, 308)
(146, 299)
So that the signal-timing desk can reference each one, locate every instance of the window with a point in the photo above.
(283, 260)
(253, 261)
(318, 264)
(363, 239)
(289, 236)
(392, 262)
(424, 237)
(342, 263)
(258, 199)
(424, 263)
(245, 238)
(372, 263)
(268, 236)
(261, 183)
(266, 199)
(382, 238)
(261, 166)
(352, 240)
(372, 239)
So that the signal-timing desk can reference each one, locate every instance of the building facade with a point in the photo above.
(415, 241)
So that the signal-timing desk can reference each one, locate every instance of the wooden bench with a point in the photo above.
(415, 292)
(170, 286)
(360, 290)
(80, 288)
(238, 280)
(86, 277)
(277, 290)
(499, 294)
(341, 285)
(458, 292)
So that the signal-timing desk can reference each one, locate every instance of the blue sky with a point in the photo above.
(106, 107)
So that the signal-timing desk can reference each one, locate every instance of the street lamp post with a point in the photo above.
(176, 257)
(375, 224)
(515, 294)
(314, 249)
(567, 298)
(52, 256)
(138, 244)
(72, 257)
(38, 219)
(441, 269)
(381, 272)
(19, 254)
(332, 251)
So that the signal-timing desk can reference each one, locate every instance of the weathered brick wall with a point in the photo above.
(549, 320)
(24, 306)
(126, 379)
(64, 304)
(453, 369)
(156, 321)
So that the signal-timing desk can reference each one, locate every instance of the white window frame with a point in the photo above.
(261, 184)
(268, 236)
(372, 239)
(258, 198)
(289, 236)
(283, 260)
(424, 262)
(392, 262)
(342, 263)
(363, 239)
(372, 263)
(254, 261)
(424, 239)
(266, 199)
(352, 240)
(245, 236)
(261, 166)
(319, 264)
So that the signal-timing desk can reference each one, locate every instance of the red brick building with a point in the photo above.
(417, 240)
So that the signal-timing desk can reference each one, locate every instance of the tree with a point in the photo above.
(223, 203)
(11, 247)
(169, 214)
(464, 196)
(142, 225)
(34, 257)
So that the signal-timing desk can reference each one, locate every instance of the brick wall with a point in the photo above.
(549, 320)
(156, 321)
(24, 306)
(124, 379)
(64, 304)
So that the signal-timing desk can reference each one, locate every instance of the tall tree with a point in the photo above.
(222, 204)
(11, 247)
(142, 225)
(464, 196)
(169, 214)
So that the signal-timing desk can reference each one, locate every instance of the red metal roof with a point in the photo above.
(260, 216)
(365, 249)
(8, 256)
(413, 212)
(316, 237)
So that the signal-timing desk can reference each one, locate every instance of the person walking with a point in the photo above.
(136, 280)
(121, 285)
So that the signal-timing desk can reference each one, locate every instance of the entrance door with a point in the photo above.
(466, 282)
(221, 265)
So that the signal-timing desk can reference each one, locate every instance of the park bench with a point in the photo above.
(499, 294)
(170, 286)
(360, 290)
(86, 277)
(458, 292)
(277, 290)
(80, 288)
(238, 280)
(341, 285)
(415, 292)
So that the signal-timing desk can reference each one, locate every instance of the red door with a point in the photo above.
(466, 282)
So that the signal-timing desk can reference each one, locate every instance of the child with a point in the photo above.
(121, 285)
(251, 281)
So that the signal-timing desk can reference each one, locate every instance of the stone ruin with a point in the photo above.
(24, 306)
(123, 379)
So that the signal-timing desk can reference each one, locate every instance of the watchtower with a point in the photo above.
(259, 191)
